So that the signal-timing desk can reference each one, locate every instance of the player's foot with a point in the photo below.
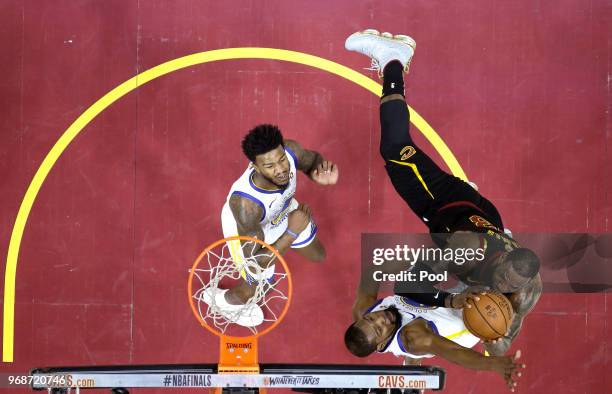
(240, 294)
(382, 48)
(243, 315)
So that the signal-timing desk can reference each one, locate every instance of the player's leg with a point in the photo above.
(416, 178)
(315, 251)
(240, 293)
(426, 187)
(397, 147)
(231, 302)
(307, 243)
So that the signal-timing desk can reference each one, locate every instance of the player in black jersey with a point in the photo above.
(453, 210)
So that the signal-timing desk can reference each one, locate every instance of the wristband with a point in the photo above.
(294, 235)
(450, 300)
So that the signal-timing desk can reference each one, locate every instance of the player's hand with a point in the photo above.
(499, 346)
(326, 173)
(494, 341)
(298, 219)
(509, 368)
(361, 304)
(460, 301)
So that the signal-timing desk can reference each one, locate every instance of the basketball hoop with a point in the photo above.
(225, 263)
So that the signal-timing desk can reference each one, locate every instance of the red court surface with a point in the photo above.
(519, 91)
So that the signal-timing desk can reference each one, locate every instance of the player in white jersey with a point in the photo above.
(261, 204)
(403, 327)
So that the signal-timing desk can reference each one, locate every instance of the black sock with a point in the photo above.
(393, 78)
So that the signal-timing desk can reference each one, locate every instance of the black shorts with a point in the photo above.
(425, 187)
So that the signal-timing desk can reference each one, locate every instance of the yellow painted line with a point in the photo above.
(416, 172)
(141, 79)
(436, 141)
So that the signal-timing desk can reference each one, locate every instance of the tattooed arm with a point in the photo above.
(248, 215)
(523, 301)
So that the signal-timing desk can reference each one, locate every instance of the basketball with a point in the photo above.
(490, 317)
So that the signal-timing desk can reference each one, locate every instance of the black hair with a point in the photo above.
(357, 342)
(524, 262)
(261, 139)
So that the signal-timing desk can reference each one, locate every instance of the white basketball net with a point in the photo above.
(215, 267)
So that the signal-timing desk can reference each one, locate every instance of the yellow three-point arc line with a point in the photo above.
(139, 80)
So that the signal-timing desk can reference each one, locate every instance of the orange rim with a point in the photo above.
(239, 238)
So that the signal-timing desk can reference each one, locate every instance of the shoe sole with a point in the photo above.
(230, 315)
(401, 38)
(398, 38)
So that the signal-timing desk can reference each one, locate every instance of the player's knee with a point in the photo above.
(384, 153)
(319, 254)
(393, 151)
(388, 151)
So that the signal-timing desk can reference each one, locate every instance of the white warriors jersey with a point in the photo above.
(446, 322)
(275, 205)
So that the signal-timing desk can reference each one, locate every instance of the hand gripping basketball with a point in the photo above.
(489, 317)
(460, 301)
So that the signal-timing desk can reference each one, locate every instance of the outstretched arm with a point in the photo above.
(419, 339)
(367, 291)
(321, 171)
(523, 301)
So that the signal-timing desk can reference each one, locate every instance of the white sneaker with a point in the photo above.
(243, 315)
(382, 48)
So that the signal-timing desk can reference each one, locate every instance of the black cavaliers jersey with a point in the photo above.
(494, 243)
(466, 216)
